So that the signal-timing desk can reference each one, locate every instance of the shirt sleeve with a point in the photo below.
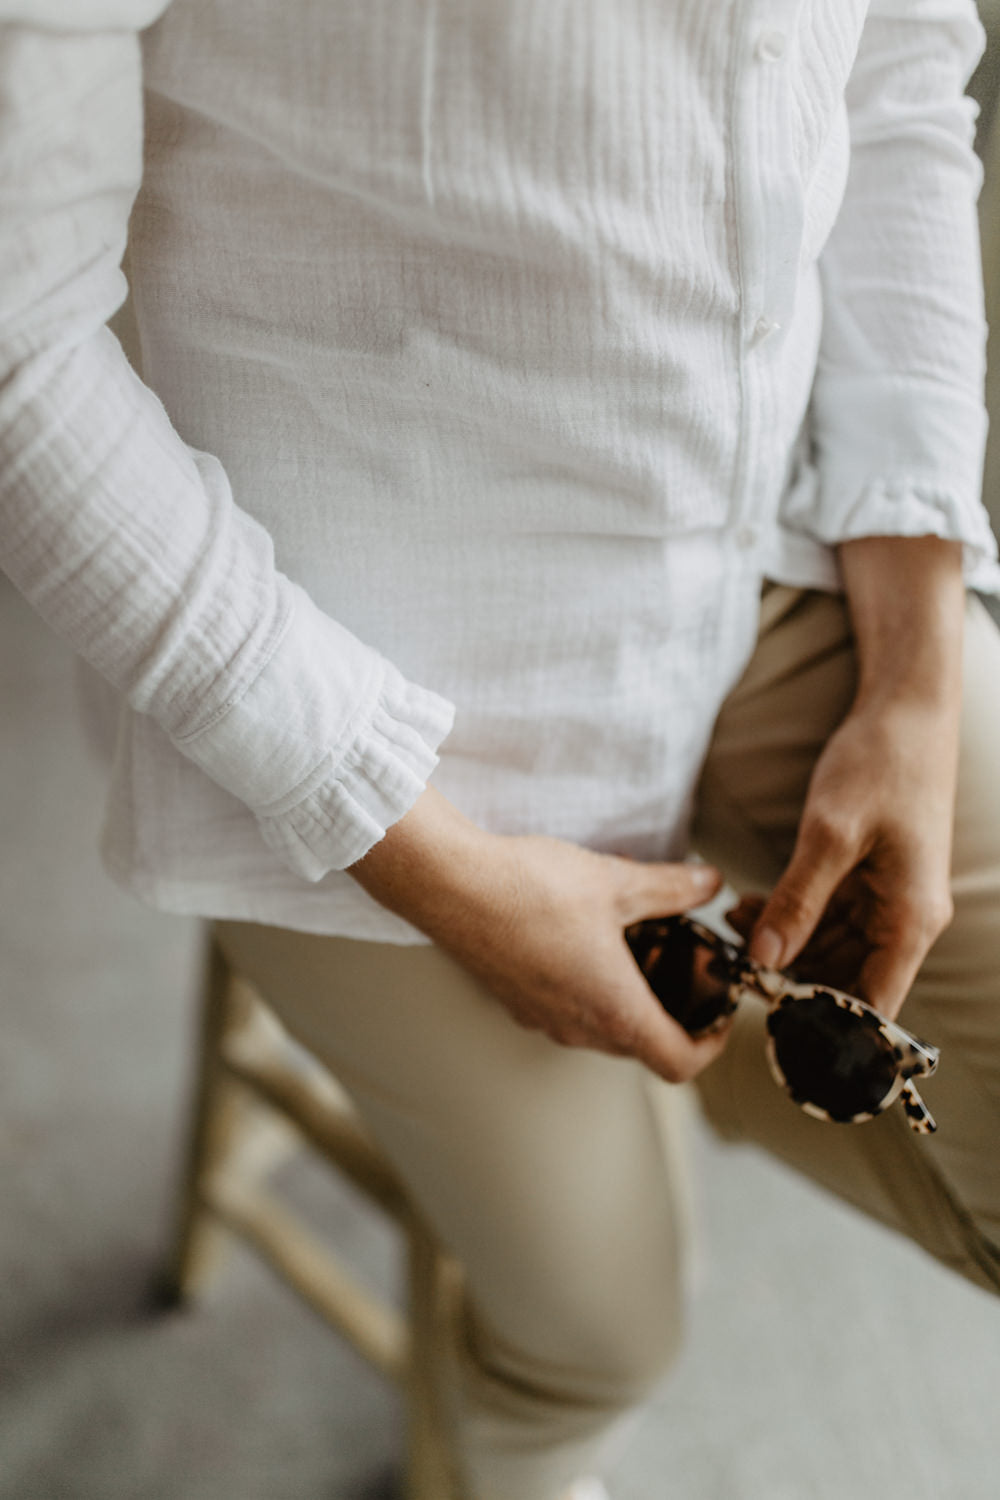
(898, 420)
(126, 540)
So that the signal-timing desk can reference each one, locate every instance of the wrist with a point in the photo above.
(427, 864)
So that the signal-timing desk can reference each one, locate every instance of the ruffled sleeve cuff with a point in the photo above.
(898, 507)
(325, 741)
(894, 456)
(348, 802)
(803, 553)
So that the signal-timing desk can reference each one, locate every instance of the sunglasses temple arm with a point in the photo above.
(918, 1115)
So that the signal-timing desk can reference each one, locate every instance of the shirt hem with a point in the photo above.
(347, 912)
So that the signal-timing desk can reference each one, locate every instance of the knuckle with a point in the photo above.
(621, 1034)
(565, 1034)
(793, 907)
(671, 1071)
(920, 919)
(941, 913)
(832, 832)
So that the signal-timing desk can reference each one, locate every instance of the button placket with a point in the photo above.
(769, 207)
(770, 199)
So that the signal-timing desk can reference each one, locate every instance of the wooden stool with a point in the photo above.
(251, 1078)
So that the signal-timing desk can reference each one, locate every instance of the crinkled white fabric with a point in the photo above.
(482, 335)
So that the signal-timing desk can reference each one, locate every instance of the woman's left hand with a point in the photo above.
(867, 889)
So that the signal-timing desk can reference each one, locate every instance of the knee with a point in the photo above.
(607, 1354)
(624, 1365)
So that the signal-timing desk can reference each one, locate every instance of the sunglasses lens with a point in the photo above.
(690, 976)
(832, 1057)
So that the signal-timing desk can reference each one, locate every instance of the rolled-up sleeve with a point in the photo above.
(898, 419)
(125, 539)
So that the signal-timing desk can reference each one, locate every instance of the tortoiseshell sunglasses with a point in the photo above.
(835, 1055)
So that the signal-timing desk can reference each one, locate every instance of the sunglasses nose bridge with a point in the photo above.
(767, 984)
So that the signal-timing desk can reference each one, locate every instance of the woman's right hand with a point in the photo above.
(541, 922)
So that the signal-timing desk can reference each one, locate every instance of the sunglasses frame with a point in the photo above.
(914, 1058)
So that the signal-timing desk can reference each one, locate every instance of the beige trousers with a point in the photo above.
(557, 1176)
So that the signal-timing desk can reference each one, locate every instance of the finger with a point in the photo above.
(660, 890)
(744, 914)
(818, 864)
(663, 1045)
(886, 977)
(835, 961)
(652, 1035)
(905, 936)
(834, 938)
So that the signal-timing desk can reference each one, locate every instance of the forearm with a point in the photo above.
(907, 603)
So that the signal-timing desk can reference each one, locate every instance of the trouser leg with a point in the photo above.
(551, 1173)
(944, 1190)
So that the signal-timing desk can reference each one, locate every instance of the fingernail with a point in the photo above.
(703, 877)
(766, 947)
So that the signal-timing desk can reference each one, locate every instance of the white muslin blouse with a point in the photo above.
(492, 352)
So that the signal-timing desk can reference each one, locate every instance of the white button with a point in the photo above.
(746, 538)
(763, 328)
(771, 46)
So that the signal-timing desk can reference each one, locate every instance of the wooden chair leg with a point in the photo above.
(218, 1110)
(431, 1468)
(249, 1109)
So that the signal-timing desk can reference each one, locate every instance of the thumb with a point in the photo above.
(660, 890)
(797, 902)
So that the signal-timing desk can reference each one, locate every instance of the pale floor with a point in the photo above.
(825, 1361)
